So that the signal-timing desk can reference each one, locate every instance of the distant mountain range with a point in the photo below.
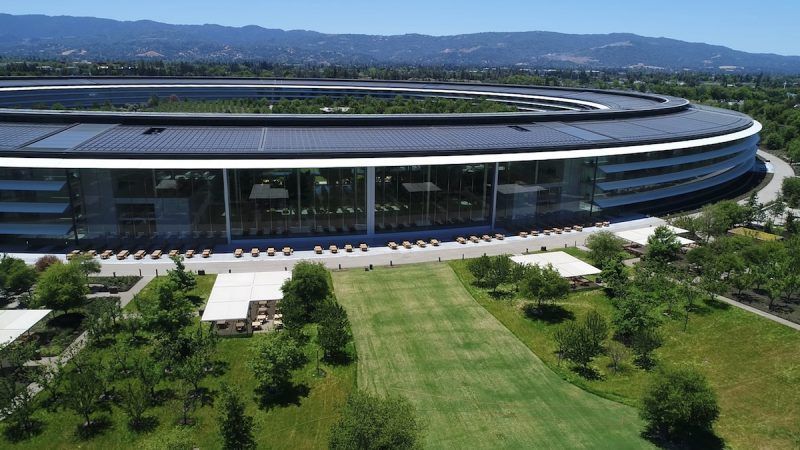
(87, 38)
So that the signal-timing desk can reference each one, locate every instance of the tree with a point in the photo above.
(618, 353)
(372, 422)
(615, 277)
(273, 358)
(15, 275)
(62, 287)
(679, 404)
(308, 287)
(45, 261)
(544, 284)
(333, 333)
(102, 315)
(87, 264)
(479, 268)
(662, 245)
(793, 150)
(580, 342)
(633, 312)
(604, 248)
(644, 341)
(235, 426)
(790, 190)
(500, 269)
(17, 406)
(166, 311)
(180, 277)
(83, 387)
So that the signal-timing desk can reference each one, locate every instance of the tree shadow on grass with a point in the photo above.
(339, 359)
(162, 396)
(551, 314)
(589, 373)
(15, 433)
(94, 428)
(145, 425)
(500, 294)
(291, 394)
(698, 440)
(70, 320)
(218, 368)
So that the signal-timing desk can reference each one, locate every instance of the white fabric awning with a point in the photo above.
(232, 293)
(15, 322)
(566, 264)
(641, 235)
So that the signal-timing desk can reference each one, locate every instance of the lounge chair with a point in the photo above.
(474, 239)
(333, 249)
(348, 248)
(598, 224)
(92, 253)
(558, 230)
(123, 254)
(156, 254)
(206, 252)
(578, 228)
(534, 233)
(461, 240)
(364, 247)
(106, 254)
(174, 252)
(190, 253)
(523, 234)
(392, 245)
(567, 229)
(318, 249)
(407, 244)
(139, 254)
(421, 243)
(238, 253)
(255, 252)
(287, 251)
(73, 254)
(606, 224)
(486, 238)
(271, 251)
(435, 242)
(547, 232)
(499, 236)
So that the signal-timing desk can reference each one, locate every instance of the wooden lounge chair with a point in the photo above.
(271, 251)
(348, 248)
(606, 224)
(73, 254)
(461, 240)
(333, 249)
(206, 252)
(578, 228)
(287, 251)
(318, 249)
(421, 243)
(92, 253)
(255, 252)
(156, 254)
(392, 245)
(558, 230)
(407, 244)
(435, 242)
(190, 253)
(486, 238)
(139, 254)
(567, 229)
(123, 254)
(106, 254)
(474, 239)
(523, 234)
(238, 253)
(598, 224)
(174, 252)
(547, 232)
(499, 236)
(364, 247)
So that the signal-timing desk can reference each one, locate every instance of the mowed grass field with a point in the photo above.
(419, 333)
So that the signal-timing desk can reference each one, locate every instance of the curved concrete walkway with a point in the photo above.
(780, 170)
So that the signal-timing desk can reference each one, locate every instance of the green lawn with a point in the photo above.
(302, 426)
(419, 333)
(752, 363)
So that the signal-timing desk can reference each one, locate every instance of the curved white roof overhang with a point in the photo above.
(303, 163)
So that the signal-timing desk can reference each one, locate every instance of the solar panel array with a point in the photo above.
(14, 135)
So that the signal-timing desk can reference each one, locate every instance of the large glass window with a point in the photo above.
(426, 197)
(297, 202)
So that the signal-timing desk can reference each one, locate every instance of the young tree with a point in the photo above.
(187, 401)
(790, 190)
(274, 356)
(16, 276)
(17, 406)
(644, 342)
(500, 269)
(333, 333)
(545, 285)
(308, 287)
(615, 277)
(618, 353)
(479, 268)
(180, 277)
(235, 426)
(102, 315)
(580, 342)
(62, 287)
(662, 245)
(83, 387)
(86, 264)
(134, 401)
(604, 248)
(371, 422)
(679, 404)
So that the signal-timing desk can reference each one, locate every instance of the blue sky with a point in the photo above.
(756, 26)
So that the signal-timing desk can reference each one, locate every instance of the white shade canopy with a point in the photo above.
(15, 322)
(565, 264)
(641, 235)
(232, 293)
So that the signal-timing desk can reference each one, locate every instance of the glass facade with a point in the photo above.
(99, 207)
(297, 202)
(429, 197)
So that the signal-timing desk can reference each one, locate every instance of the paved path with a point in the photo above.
(781, 170)
(761, 313)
